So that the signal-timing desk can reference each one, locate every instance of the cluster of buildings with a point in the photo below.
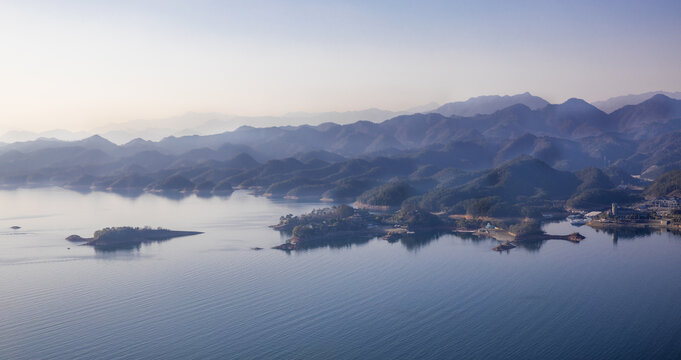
(665, 203)
(665, 212)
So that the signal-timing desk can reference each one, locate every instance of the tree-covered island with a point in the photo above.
(112, 237)
(328, 225)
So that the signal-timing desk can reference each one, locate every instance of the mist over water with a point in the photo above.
(212, 296)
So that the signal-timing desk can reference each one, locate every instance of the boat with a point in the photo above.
(578, 222)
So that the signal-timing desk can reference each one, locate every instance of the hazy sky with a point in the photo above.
(81, 64)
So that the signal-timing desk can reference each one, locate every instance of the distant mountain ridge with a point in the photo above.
(65, 135)
(215, 123)
(484, 105)
(572, 120)
(617, 102)
(658, 115)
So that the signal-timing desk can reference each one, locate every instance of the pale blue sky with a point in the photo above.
(81, 64)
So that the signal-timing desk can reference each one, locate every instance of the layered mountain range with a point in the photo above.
(340, 161)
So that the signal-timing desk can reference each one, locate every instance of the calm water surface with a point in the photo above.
(211, 296)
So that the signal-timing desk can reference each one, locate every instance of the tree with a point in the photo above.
(344, 211)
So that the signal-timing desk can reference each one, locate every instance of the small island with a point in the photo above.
(344, 224)
(525, 232)
(126, 236)
(324, 226)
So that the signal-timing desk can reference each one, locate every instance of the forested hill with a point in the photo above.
(334, 161)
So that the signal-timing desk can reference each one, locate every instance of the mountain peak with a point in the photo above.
(517, 108)
(243, 160)
(96, 139)
(575, 101)
(659, 98)
(137, 141)
(576, 104)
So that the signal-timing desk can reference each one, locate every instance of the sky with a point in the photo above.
(79, 65)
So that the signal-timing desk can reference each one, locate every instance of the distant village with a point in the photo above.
(664, 212)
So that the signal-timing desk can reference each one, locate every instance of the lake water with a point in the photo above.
(212, 296)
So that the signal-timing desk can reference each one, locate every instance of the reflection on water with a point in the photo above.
(126, 246)
(336, 243)
(431, 296)
(416, 241)
(531, 246)
(632, 233)
(121, 253)
(135, 193)
(411, 242)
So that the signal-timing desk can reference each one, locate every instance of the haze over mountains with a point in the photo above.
(194, 123)
(617, 102)
(433, 153)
